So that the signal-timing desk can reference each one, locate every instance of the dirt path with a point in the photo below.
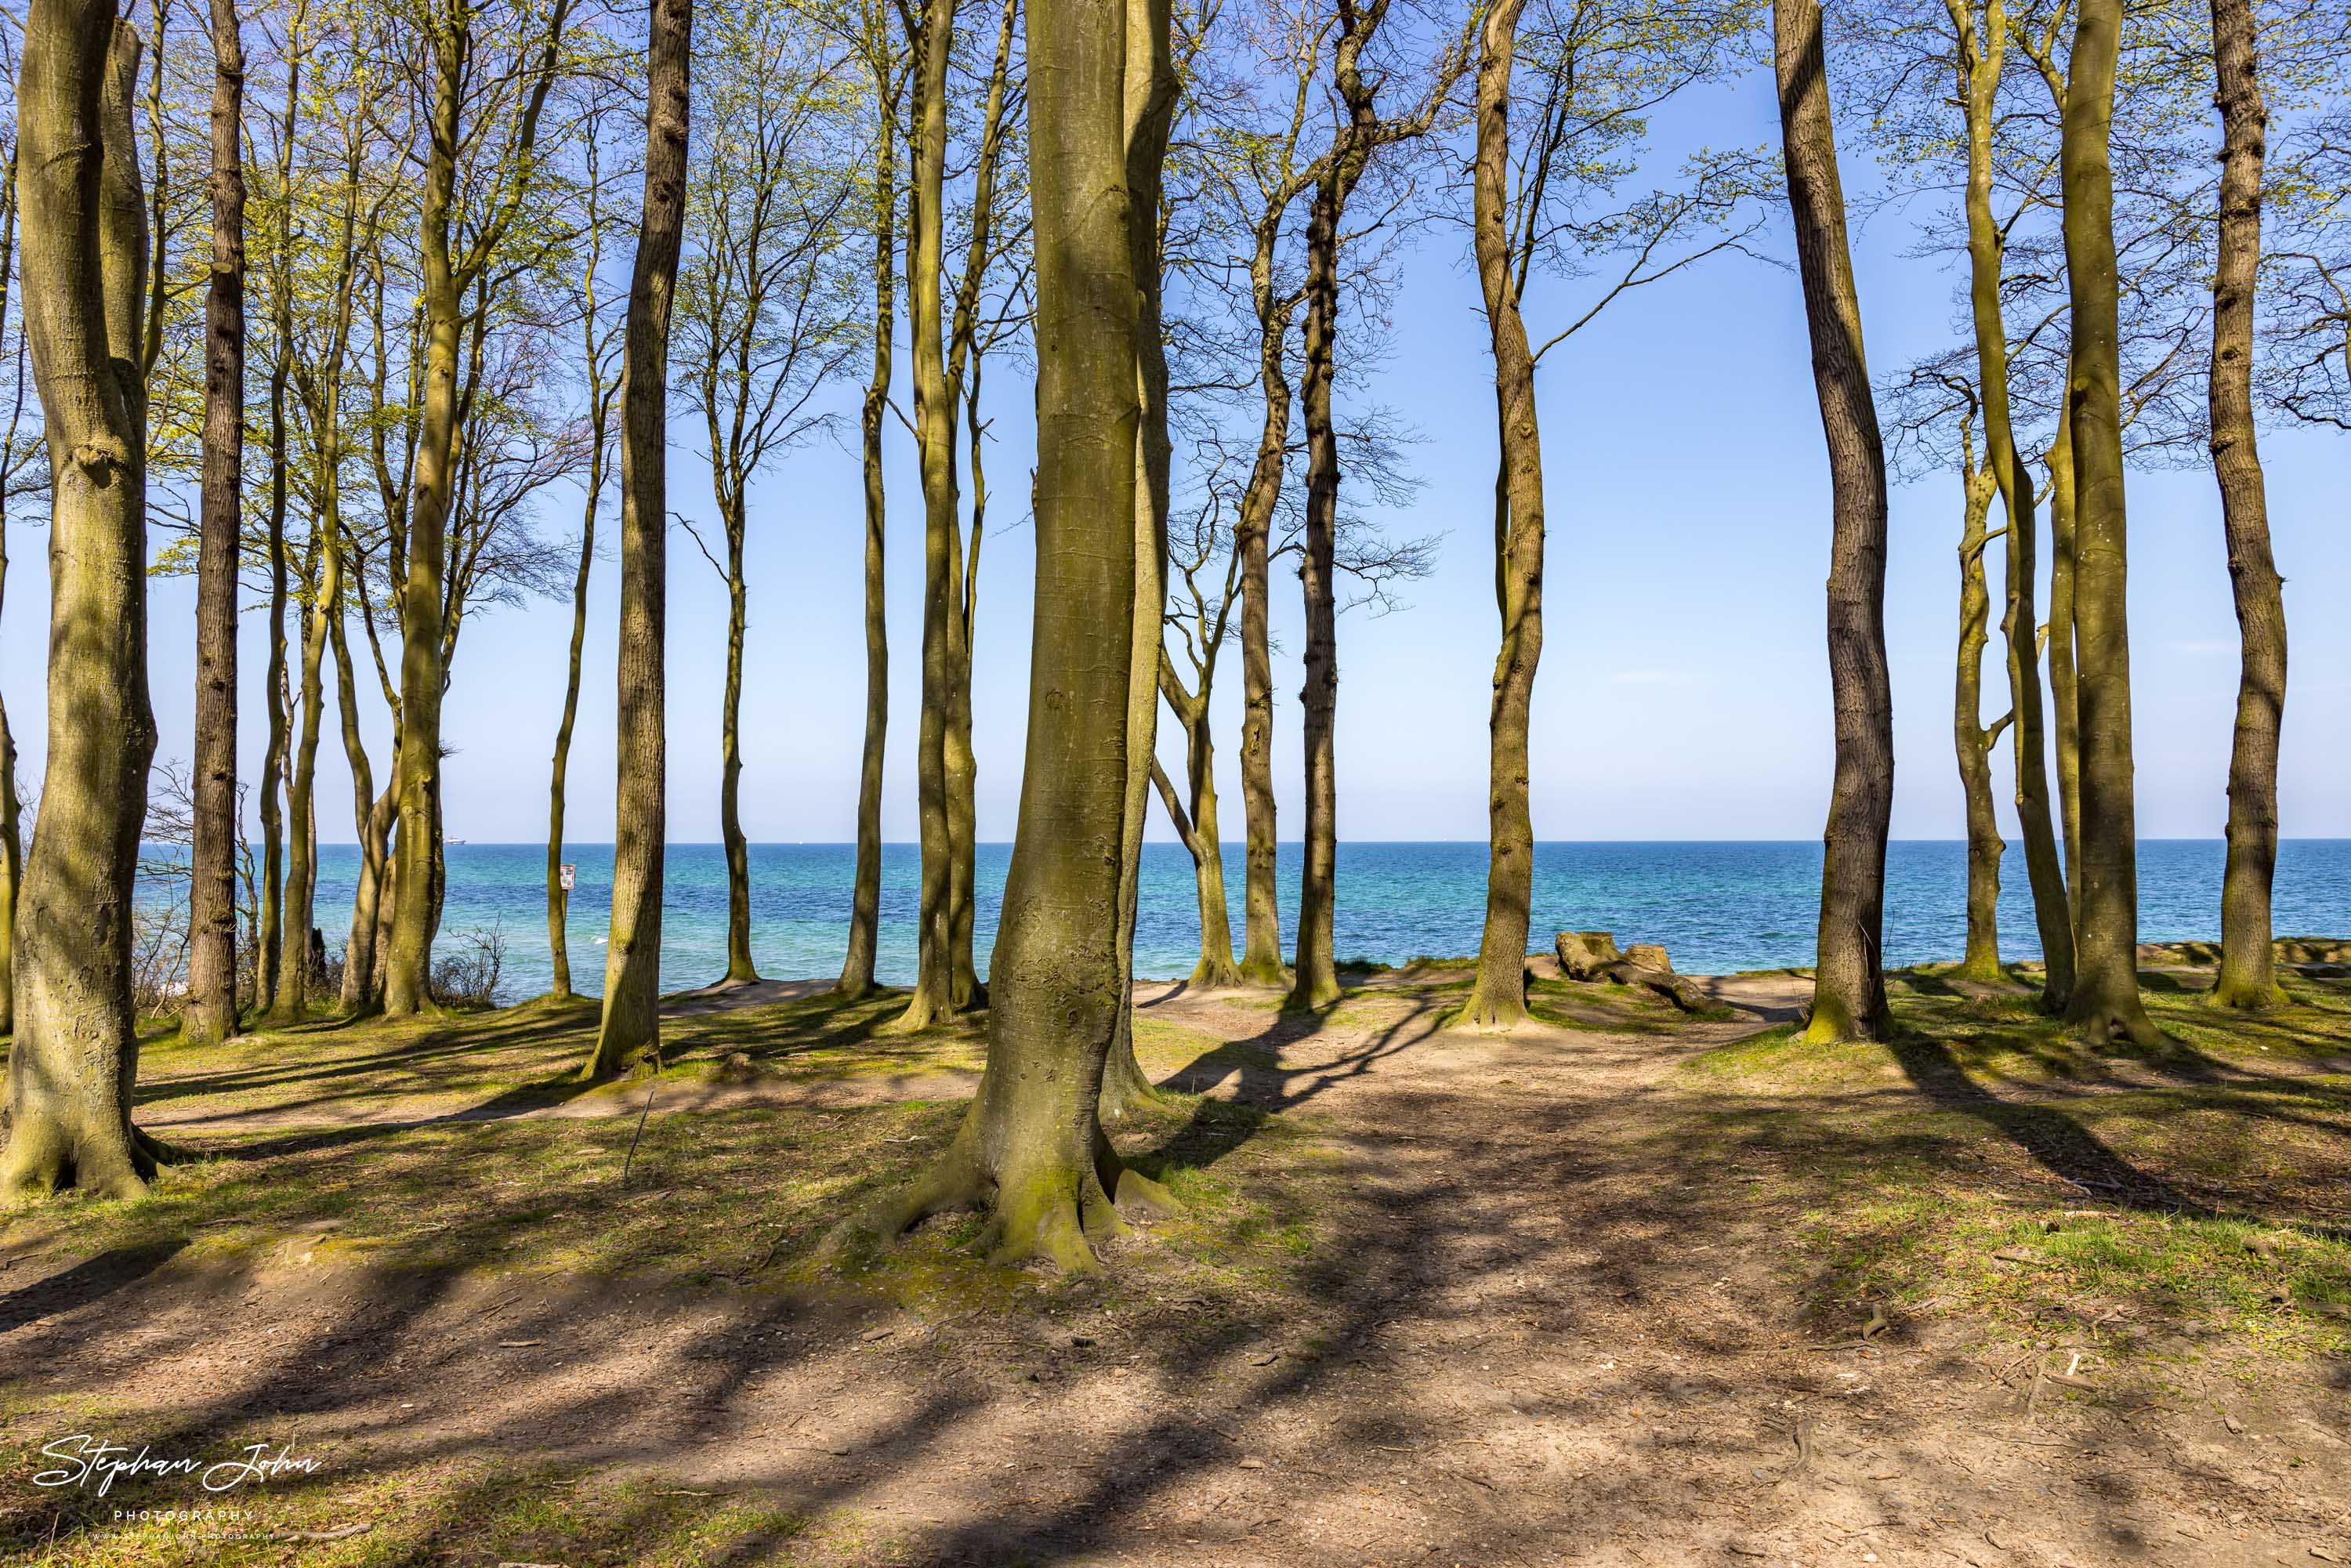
(1543, 1337)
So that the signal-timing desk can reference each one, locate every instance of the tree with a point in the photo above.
(601, 342)
(467, 68)
(1498, 998)
(2247, 977)
(1202, 626)
(1360, 135)
(888, 79)
(211, 1012)
(1031, 1149)
(13, 463)
(765, 312)
(1849, 985)
(631, 1026)
(2105, 1001)
(75, 1054)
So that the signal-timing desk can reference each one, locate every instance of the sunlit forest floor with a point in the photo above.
(1624, 1288)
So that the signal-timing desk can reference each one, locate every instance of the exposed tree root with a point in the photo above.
(45, 1157)
(2247, 998)
(1125, 1087)
(1038, 1210)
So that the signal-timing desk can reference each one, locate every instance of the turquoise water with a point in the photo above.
(1716, 906)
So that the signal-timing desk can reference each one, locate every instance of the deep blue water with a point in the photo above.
(1716, 906)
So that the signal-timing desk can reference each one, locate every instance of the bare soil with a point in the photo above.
(1550, 1301)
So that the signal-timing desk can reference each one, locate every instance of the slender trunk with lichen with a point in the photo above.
(1261, 962)
(2105, 1002)
(1849, 981)
(2247, 977)
(1499, 997)
(210, 1011)
(741, 970)
(1980, 61)
(1031, 1149)
(631, 1026)
(1196, 821)
(1969, 734)
(600, 412)
(865, 897)
(75, 1053)
(280, 713)
(294, 967)
(1150, 90)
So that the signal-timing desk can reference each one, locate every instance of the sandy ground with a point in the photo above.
(1543, 1339)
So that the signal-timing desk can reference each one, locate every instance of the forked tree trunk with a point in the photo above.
(1981, 56)
(865, 899)
(1197, 824)
(2248, 976)
(1031, 1149)
(1150, 95)
(630, 1027)
(210, 1011)
(1498, 999)
(75, 1054)
(1849, 985)
(2105, 1002)
(1974, 742)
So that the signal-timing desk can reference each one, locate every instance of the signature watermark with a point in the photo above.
(91, 1463)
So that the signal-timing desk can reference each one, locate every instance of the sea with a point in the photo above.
(1717, 907)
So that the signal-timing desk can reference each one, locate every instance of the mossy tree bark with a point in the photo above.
(1499, 997)
(1981, 56)
(865, 898)
(211, 1011)
(2105, 1002)
(2247, 977)
(75, 1054)
(1150, 96)
(1973, 739)
(1849, 986)
(1031, 1149)
(279, 709)
(630, 1025)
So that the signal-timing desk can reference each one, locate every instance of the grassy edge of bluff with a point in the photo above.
(2144, 1205)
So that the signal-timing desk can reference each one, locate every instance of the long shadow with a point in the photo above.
(91, 1279)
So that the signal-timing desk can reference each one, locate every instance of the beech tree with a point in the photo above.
(75, 1052)
(1849, 984)
(764, 308)
(18, 465)
(1031, 1149)
(630, 1025)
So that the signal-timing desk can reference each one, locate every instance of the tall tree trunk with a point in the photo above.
(293, 973)
(423, 597)
(2248, 976)
(11, 844)
(1849, 985)
(1974, 741)
(1031, 1148)
(363, 989)
(632, 1018)
(934, 408)
(2105, 1001)
(1261, 962)
(75, 1054)
(1981, 62)
(2064, 694)
(210, 1011)
(1316, 981)
(1150, 99)
(1498, 999)
(558, 899)
(865, 899)
(740, 971)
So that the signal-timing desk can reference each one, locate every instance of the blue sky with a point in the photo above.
(1684, 692)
